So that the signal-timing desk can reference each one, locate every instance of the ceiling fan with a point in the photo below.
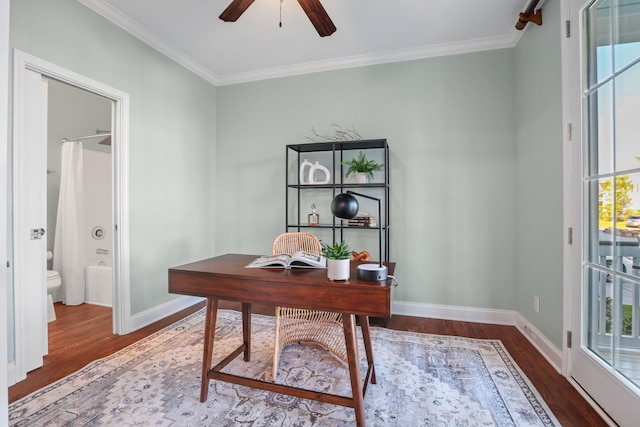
(314, 10)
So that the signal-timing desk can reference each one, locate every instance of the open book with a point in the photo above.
(297, 260)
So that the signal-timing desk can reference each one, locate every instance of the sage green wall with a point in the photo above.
(172, 133)
(476, 220)
(450, 124)
(539, 173)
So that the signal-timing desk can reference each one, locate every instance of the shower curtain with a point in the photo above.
(68, 248)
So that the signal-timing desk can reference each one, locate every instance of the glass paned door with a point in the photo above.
(607, 362)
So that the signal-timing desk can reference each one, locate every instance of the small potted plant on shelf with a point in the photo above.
(362, 168)
(338, 260)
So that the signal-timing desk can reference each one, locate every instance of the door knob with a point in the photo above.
(37, 233)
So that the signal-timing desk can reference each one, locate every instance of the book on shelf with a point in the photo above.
(363, 221)
(298, 260)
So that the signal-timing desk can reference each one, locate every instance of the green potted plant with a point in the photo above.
(362, 168)
(338, 260)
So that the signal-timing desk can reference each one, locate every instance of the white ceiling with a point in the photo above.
(368, 32)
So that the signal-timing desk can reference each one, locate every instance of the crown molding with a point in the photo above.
(411, 54)
(139, 31)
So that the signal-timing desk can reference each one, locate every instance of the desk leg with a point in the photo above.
(246, 330)
(348, 322)
(209, 331)
(364, 324)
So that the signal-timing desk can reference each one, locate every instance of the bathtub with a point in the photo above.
(98, 285)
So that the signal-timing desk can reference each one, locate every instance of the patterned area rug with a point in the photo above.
(423, 380)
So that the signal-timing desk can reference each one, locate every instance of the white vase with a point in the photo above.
(361, 177)
(338, 269)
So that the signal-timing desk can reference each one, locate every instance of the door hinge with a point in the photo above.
(570, 235)
(569, 132)
(567, 26)
(8, 264)
(568, 339)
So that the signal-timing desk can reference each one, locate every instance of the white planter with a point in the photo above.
(338, 269)
(361, 178)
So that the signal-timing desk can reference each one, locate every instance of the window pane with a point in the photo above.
(600, 133)
(628, 195)
(627, 119)
(614, 241)
(599, 200)
(599, 322)
(626, 340)
(598, 21)
(626, 25)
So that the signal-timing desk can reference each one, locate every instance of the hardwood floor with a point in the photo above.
(82, 334)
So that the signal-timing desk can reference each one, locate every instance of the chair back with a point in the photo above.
(290, 243)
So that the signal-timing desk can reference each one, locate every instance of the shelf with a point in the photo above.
(338, 185)
(329, 226)
(365, 144)
(330, 155)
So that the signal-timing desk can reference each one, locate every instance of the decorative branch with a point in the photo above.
(340, 134)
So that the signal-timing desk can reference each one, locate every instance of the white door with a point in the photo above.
(29, 196)
(30, 116)
(604, 358)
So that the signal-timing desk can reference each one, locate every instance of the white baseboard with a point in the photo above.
(161, 311)
(484, 315)
(13, 376)
(540, 342)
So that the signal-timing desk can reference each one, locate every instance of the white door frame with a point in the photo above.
(24, 62)
(610, 390)
(4, 163)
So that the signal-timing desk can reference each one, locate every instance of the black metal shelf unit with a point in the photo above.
(331, 155)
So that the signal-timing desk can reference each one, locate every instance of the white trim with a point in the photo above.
(14, 375)
(567, 118)
(139, 31)
(485, 315)
(161, 311)
(120, 203)
(4, 166)
(373, 59)
(607, 419)
(452, 312)
(120, 132)
(550, 352)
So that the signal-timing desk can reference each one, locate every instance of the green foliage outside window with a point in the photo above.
(627, 315)
(621, 201)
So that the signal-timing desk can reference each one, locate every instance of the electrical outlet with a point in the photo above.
(536, 304)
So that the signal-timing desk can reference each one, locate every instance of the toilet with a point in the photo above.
(53, 283)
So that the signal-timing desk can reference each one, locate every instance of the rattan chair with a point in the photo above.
(294, 325)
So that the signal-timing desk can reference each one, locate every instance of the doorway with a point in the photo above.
(29, 71)
(75, 116)
(605, 161)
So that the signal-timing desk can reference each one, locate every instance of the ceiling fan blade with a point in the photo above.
(318, 17)
(234, 10)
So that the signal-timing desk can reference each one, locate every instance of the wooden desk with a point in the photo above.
(225, 277)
